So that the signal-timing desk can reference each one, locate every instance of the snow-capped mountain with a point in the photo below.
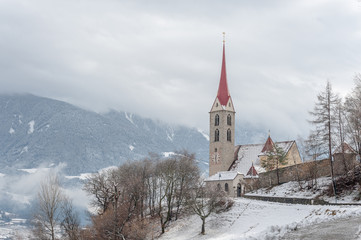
(37, 131)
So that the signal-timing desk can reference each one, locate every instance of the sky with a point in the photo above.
(162, 59)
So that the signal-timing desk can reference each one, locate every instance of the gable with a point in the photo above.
(217, 106)
(246, 155)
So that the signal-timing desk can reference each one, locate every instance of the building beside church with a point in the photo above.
(230, 166)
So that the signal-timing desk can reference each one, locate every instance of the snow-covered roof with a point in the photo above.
(223, 176)
(248, 154)
(346, 148)
(285, 146)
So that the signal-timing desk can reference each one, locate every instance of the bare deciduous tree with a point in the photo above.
(49, 201)
(70, 220)
(98, 185)
(324, 121)
(205, 200)
(353, 115)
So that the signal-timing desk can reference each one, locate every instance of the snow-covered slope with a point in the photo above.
(251, 219)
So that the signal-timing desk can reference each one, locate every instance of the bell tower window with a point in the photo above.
(216, 136)
(216, 120)
(229, 135)
(229, 120)
(226, 187)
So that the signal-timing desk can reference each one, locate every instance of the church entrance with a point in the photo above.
(239, 190)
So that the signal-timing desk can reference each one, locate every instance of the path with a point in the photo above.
(347, 228)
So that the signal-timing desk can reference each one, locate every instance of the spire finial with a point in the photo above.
(224, 37)
(269, 132)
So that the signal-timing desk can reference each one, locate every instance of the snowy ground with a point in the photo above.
(292, 190)
(14, 229)
(252, 219)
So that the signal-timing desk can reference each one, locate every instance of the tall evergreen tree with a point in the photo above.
(275, 159)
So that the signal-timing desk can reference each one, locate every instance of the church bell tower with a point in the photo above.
(221, 122)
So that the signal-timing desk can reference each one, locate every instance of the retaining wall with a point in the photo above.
(300, 172)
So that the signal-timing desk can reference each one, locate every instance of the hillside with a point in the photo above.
(38, 131)
(252, 219)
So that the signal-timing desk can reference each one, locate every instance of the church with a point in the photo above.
(231, 167)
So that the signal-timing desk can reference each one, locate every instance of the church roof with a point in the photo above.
(252, 171)
(346, 149)
(223, 93)
(223, 176)
(268, 146)
(246, 155)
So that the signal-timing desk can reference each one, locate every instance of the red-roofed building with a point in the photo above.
(252, 172)
(224, 156)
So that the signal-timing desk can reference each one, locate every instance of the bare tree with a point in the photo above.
(341, 121)
(188, 176)
(324, 121)
(121, 195)
(353, 115)
(126, 196)
(70, 220)
(48, 212)
(98, 185)
(167, 175)
(205, 200)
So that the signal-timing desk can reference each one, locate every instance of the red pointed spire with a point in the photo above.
(268, 147)
(252, 171)
(223, 93)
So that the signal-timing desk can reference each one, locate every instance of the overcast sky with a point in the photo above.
(162, 59)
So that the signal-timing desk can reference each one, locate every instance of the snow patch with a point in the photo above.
(129, 117)
(206, 136)
(11, 131)
(24, 150)
(131, 147)
(168, 154)
(82, 176)
(170, 135)
(29, 170)
(31, 127)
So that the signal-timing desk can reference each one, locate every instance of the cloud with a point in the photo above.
(162, 59)
(19, 190)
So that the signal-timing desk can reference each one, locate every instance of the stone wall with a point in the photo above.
(303, 172)
(289, 200)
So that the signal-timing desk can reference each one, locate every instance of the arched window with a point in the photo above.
(216, 135)
(216, 120)
(229, 120)
(226, 187)
(229, 138)
(219, 186)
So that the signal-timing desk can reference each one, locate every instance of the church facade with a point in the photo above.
(231, 166)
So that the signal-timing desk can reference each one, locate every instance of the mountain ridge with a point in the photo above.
(37, 130)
